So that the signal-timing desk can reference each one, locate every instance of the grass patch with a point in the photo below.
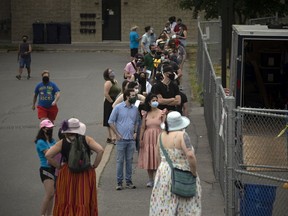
(195, 86)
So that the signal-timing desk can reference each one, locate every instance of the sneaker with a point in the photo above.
(28, 77)
(119, 187)
(150, 183)
(18, 77)
(130, 185)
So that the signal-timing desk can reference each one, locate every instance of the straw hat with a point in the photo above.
(133, 28)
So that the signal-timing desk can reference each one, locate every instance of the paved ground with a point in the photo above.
(79, 75)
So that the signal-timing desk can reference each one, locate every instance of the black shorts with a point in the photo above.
(47, 173)
(133, 52)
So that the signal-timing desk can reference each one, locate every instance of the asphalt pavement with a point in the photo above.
(77, 69)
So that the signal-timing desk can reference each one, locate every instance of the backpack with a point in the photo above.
(79, 155)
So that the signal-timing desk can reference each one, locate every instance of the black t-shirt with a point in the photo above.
(183, 100)
(166, 91)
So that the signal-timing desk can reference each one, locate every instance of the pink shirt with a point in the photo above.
(129, 68)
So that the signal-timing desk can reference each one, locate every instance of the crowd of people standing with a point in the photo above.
(151, 104)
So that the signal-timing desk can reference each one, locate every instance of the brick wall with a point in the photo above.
(25, 13)
(133, 12)
(5, 20)
(155, 13)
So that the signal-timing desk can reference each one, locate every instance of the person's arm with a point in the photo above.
(52, 152)
(34, 101)
(165, 101)
(96, 147)
(57, 96)
(107, 87)
(189, 152)
(118, 100)
(18, 55)
(142, 129)
(176, 101)
(30, 49)
(185, 109)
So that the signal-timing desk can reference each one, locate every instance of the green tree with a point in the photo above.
(243, 9)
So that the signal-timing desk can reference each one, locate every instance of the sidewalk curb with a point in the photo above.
(106, 156)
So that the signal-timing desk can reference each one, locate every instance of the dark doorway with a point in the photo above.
(111, 16)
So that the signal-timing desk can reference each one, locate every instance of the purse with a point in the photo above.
(183, 182)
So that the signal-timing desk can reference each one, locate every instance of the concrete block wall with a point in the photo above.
(154, 13)
(25, 13)
(86, 7)
(133, 12)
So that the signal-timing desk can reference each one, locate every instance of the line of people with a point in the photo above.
(151, 105)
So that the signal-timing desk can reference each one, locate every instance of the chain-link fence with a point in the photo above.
(249, 162)
(261, 162)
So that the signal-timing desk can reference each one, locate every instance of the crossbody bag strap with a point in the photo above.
(165, 153)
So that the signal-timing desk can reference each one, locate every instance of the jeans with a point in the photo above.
(125, 151)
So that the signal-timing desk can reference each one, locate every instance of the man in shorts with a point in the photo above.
(49, 94)
(24, 57)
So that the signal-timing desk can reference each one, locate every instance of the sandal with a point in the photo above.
(109, 140)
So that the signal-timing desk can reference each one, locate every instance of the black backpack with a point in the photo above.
(79, 155)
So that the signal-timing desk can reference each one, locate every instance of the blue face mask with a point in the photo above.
(154, 104)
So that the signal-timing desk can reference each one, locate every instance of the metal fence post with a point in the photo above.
(230, 145)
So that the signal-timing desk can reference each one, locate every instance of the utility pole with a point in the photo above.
(227, 17)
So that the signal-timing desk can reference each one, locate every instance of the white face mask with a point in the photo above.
(162, 58)
(136, 91)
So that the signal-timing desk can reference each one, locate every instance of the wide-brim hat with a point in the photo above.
(73, 125)
(176, 122)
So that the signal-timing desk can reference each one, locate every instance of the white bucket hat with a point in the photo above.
(73, 125)
(176, 122)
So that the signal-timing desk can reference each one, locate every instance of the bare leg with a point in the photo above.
(47, 204)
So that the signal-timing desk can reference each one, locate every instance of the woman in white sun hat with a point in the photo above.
(178, 146)
(75, 191)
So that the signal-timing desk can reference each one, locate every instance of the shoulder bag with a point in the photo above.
(183, 182)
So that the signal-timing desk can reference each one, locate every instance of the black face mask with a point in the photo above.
(24, 40)
(45, 79)
(153, 51)
(171, 76)
(49, 132)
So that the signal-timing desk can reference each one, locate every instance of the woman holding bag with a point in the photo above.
(176, 142)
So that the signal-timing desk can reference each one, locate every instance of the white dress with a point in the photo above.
(162, 201)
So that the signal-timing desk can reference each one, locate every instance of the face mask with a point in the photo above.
(132, 100)
(112, 75)
(171, 76)
(162, 58)
(24, 40)
(49, 132)
(136, 91)
(45, 79)
(153, 51)
(154, 104)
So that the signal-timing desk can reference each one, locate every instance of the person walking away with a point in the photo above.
(150, 129)
(24, 57)
(49, 94)
(124, 122)
(134, 41)
(43, 142)
(76, 192)
(181, 152)
(111, 91)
